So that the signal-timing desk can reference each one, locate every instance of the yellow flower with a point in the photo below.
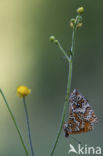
(80, 10)
(23, 91)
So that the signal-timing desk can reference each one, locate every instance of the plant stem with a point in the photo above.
(69, 59)
(64, 111)
(63, 51)
(69, 77)
(14, 121)
(73, 41)
(28, 126)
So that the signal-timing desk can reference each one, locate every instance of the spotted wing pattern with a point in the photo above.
(81, 116)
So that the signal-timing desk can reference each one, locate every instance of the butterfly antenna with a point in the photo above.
(75, 140)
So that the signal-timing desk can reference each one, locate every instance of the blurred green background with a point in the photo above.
(28, 58)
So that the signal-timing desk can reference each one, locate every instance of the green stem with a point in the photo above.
(69, 77)
(14, 121)
(73, 41)
(64, 109)
(63, 51)
(28, 126)
(69, 59)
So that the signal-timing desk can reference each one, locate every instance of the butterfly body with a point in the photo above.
(81, 117)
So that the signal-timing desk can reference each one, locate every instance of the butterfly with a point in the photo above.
(81, 116)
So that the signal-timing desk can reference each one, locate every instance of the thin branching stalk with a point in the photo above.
(28, 126)
(63, 115)
(69, 59)
(64, 109)
(62, 50)
(14, 121)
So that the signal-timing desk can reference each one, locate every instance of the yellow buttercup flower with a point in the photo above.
(23, 91)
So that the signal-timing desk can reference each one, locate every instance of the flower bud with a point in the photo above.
(79, 25)
(72, 20)
(71, 24)
(52, 38)
(56, 41)
(80, 10)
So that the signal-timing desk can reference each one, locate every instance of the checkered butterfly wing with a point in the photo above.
(81, 116)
